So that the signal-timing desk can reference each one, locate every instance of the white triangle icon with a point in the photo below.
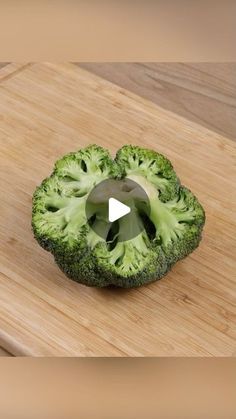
(116, 210)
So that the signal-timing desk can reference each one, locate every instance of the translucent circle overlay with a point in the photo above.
(129, 193)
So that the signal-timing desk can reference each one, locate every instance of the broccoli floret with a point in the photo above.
(131, 263)
(178, 222)
(95, 251)
(155, 167)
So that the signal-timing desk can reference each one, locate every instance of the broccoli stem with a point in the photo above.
(130, 225)
(99, 232)
(56, 202)
(75, 215)
(166, 217)
(68, 218)
(128, 254)
(166, 224)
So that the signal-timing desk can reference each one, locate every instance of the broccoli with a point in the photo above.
(93, 251)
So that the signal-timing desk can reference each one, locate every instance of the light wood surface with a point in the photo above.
(201, 92)
(50, 109)
(2, 64)
(3, 352)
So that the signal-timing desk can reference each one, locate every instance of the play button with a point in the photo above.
(117, 210)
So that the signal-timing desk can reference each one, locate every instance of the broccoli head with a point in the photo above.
(94, 251)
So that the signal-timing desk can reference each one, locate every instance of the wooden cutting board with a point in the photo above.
(47, 110)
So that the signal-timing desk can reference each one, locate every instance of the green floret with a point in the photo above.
(126, 259)
(172, 219)
(59, 202)
(89, 248)
(178, 223)
(82, 170)
(155, 167)
(131, 263)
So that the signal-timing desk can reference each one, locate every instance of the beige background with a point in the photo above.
(117, 388)
(110, 30)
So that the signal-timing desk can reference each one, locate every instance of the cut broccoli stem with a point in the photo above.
(78, 187)
(66, 220)
(56, 202)
(116, 254)
(155, 167)
(166, 223)
(75, 216)
(129, 255)
(98, 232)
(160, 182)
(147, 186)
(168, 218)
(93, 238)
(130, 225)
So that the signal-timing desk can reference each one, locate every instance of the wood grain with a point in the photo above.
(201, 92)
(2, 64)
(47, 110)
(3, 352)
